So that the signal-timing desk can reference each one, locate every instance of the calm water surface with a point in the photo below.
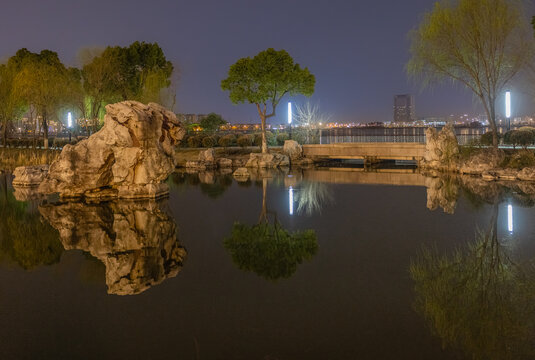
(316, 264)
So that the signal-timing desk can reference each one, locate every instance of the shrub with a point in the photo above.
(281, 138)
(270, 139)
(486, 138)
(194, 141)
(523, 137)
(209, 141)
(521, 159)
(227, 140)
(245, 140)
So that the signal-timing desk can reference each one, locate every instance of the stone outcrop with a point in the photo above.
(241, 174)
(205, 161)
(29, 176)
(129, 157)
(267, 161)
(224, 163)
(292, 149)
(483, 161)
(527, 173)
(441, 149)
(136, 241)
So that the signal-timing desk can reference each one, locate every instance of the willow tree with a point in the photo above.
(10, 104)
(264, 80)
(481, 44)
(43, 82)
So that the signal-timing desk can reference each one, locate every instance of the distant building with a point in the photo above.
(404, 108)
(189, 119)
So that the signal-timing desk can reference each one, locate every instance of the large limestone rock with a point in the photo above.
(441, 149)
(29, 176)
(484, 161)
(136, 241)
(292, 149)
(131, 155)
(267, 161)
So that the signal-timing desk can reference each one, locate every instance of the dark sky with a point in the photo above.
(356, 49)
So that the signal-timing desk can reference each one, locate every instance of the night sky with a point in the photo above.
(356, 49)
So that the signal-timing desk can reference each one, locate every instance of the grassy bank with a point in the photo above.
(10, 158)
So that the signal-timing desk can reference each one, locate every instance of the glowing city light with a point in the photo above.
(508, 104)
(69, 120)
(291, 199)
(510, 218)
(289, 112)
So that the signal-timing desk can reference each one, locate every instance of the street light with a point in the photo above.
(291, 199)
(69, 120)
(508, 109)
(290, 117)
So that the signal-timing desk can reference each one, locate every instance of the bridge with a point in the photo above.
(369, 152)
(396, 177)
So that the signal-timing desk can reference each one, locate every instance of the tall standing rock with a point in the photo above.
(129, 157)
(441, 149)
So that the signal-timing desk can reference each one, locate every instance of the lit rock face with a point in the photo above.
(129, 157)
(441, 149)
(29, 176)
(136, 241)
(267, 161)
(292, 149)
(484, 161)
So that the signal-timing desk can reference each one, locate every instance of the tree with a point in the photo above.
(43, 82)
(481, 44)
(10, 104)
(264, 80)
(309, 117)
(137, 72)
(212, 122)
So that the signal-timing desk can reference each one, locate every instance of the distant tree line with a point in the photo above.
(41, 86)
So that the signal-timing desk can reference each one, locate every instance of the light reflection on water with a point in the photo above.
(299, 265)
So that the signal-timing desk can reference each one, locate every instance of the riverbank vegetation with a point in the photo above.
(40, 88)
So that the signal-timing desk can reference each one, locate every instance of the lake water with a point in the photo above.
(323, 264)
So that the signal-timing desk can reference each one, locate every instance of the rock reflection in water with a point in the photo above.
(479, 299)
(136, 241)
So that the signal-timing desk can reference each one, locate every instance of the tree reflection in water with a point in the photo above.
(268, 249)
(312, 196)
(24, 238)
(479, 299)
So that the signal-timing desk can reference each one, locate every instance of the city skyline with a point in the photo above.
(359, 65)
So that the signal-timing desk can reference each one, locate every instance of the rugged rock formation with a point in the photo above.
(205, 161)
(441, 149)
(241, 174)
(29, 176)
(292, 149)
(484, 161)
(129, 157)
(270, 160)
(136, 241)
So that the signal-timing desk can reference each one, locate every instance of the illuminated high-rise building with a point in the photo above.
(404, 108)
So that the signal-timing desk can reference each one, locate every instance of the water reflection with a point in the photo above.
(24, 239)
(268, 249)
(480, 298)
(136, 241)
